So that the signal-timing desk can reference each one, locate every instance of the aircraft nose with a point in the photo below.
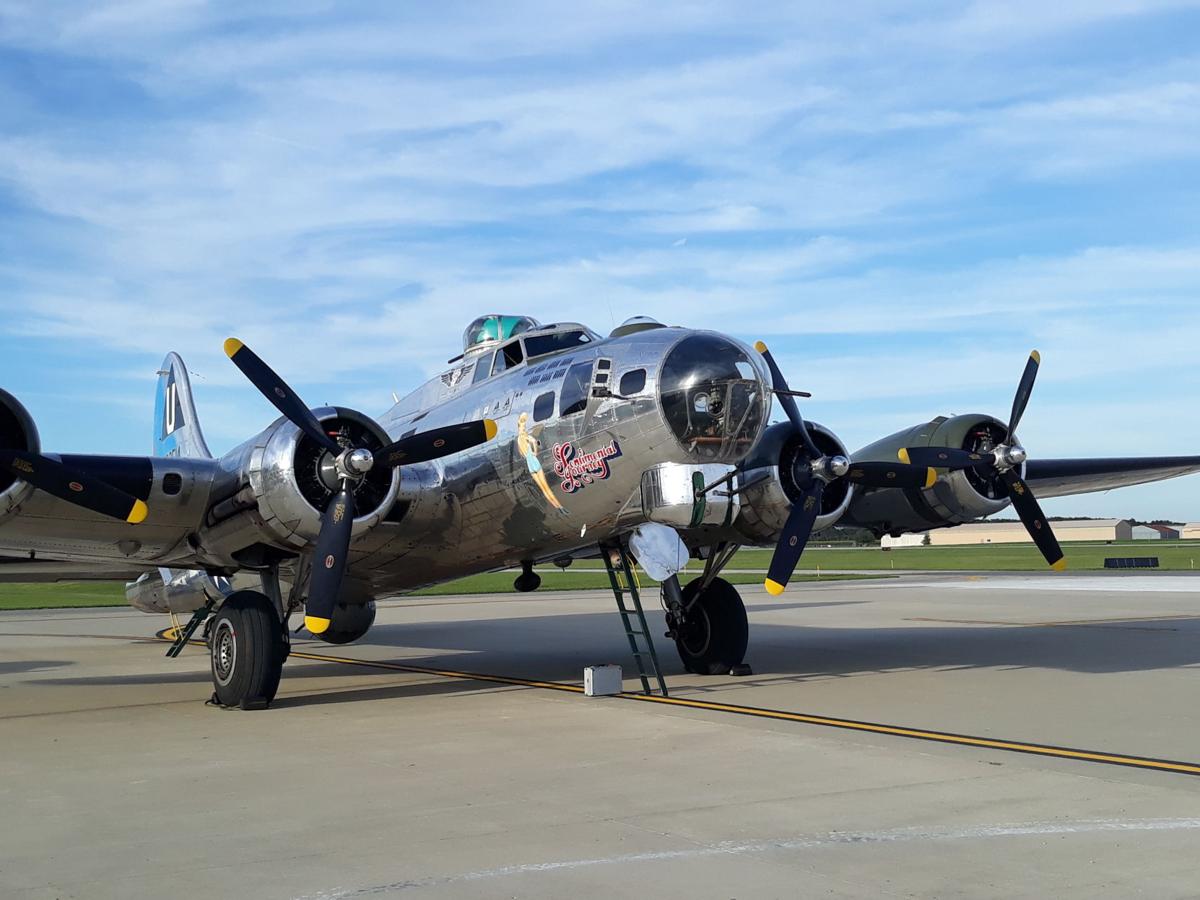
(713, 397)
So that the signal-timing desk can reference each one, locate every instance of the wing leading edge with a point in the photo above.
(1063, 477)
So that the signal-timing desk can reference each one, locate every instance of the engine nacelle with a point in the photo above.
(769, 471)
(955, 498)
(17, 432)
(284, 482)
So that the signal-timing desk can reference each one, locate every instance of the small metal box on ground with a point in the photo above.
(602, 681)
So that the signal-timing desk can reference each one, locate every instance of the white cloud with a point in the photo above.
(346, 190)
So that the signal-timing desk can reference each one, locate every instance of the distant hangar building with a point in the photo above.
(1015, 533)
(912, 539)
(1190, 531)
(1155, 533)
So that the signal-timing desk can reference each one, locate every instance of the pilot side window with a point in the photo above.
(575, 389)
(543, 407)
(508, 356)
(483, 368)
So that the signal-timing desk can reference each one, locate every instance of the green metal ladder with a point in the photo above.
(625, 587)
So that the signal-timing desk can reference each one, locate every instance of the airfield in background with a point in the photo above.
(748, 567)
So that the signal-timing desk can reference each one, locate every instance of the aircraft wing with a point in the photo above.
(1062, 477)
(23, 570)
(42, 535)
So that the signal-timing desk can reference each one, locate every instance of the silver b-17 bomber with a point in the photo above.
(538, 443)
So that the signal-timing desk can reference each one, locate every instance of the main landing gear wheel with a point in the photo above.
(712, 637)
(247, 647)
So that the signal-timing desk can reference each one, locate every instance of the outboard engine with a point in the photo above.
(956, 497)
(17, 432)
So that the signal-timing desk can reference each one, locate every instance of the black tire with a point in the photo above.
(246, 647)
(527, 581)
(713, 639)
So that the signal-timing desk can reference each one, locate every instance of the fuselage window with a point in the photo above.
(508, 356)
(543, 407)
(633, 382)
(576, 386)
(483, 368)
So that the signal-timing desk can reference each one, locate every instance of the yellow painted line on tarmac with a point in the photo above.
(921, 734)
(944, 737)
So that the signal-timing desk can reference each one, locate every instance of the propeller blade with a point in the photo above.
(70, 484)
(882, 474)
(437, 443)
(794, 537)
(945, 458)
(1030, 512)
(1024, 389)
(329, 561)
(787, 400)
(276, 390)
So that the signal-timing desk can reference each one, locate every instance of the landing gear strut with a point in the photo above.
(247, 644)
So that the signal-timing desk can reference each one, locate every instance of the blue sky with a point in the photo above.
(904, 199)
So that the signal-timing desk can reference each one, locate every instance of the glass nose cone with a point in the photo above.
(713, 398)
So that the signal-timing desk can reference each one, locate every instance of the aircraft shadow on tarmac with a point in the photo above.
(21, 666)
(303, 677)
(557, 647)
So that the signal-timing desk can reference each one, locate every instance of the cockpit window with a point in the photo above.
(541, 344)
(712, 398)
(508, 356)
(483, 369)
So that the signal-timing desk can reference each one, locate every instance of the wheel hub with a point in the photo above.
(694, 631)
(224, 652)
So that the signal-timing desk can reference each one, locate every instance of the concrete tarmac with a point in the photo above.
(117, 781)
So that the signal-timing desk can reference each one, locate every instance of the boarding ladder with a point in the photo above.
(629, 604)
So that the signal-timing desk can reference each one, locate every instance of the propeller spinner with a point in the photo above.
(351, 463)
(814, 474)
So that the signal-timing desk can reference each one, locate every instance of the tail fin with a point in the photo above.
(176, 428)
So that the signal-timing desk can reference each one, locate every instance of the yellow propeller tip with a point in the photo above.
(760, 346)
(774, 588)
(1060, 566)
(316, 624)
(1036, 357)
(232, 346)
(489, 428)
(904, 457)
(138, 513)
(930, 477)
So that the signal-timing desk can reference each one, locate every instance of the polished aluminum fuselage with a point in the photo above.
(482, 509)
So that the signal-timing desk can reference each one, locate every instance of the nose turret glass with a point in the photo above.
(713, 398)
